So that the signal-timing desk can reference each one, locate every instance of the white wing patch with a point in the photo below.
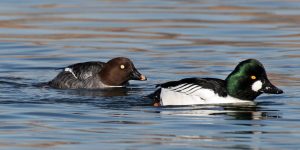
(190, 94)
(71, 71)
(186, 88)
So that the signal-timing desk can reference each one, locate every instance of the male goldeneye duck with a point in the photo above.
(244, 84)
(115, 73)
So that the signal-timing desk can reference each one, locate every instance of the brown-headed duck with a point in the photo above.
(95, 74)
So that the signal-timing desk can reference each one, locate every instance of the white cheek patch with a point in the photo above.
(257, 85)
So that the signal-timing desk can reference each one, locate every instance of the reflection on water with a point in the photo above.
(237, 112)
(167, 40)
(101, 93)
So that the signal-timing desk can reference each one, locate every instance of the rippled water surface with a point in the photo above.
(167, 40)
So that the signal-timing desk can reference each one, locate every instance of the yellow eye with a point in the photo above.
(253, 77)
(122, 66)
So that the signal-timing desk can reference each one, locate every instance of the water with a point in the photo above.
(167, 40)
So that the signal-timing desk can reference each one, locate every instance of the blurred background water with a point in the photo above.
(167, 40)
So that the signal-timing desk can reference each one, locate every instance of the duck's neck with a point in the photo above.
(236, 88)
(111, 79)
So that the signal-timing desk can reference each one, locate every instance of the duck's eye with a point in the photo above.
(122, 66)
(253, 77)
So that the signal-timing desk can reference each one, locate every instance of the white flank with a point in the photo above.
(71, 71)
(200, 96)
(257, 85)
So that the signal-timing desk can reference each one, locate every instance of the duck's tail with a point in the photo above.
(155, 96)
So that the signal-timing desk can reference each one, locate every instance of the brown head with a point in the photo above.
(119, 71)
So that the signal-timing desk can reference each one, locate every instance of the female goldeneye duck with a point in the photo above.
(244, 84)
(115, 73)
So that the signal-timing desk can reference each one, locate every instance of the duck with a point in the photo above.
(96, 74)
(246, 82)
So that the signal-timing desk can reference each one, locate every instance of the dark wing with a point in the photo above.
(86, 69)
(191, 85)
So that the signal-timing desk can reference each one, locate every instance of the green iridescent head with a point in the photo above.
(248, 80)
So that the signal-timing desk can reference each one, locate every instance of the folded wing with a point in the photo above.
(85, 70)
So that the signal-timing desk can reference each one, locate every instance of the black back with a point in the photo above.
(217, 85)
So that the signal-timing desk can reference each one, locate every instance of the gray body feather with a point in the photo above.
(80, 75)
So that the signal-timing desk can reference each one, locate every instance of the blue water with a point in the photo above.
(167, 40)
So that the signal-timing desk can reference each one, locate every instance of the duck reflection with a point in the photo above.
(100, 92)
(255, 112)
(250, 111)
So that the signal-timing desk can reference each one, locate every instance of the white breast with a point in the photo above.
(193, 96)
